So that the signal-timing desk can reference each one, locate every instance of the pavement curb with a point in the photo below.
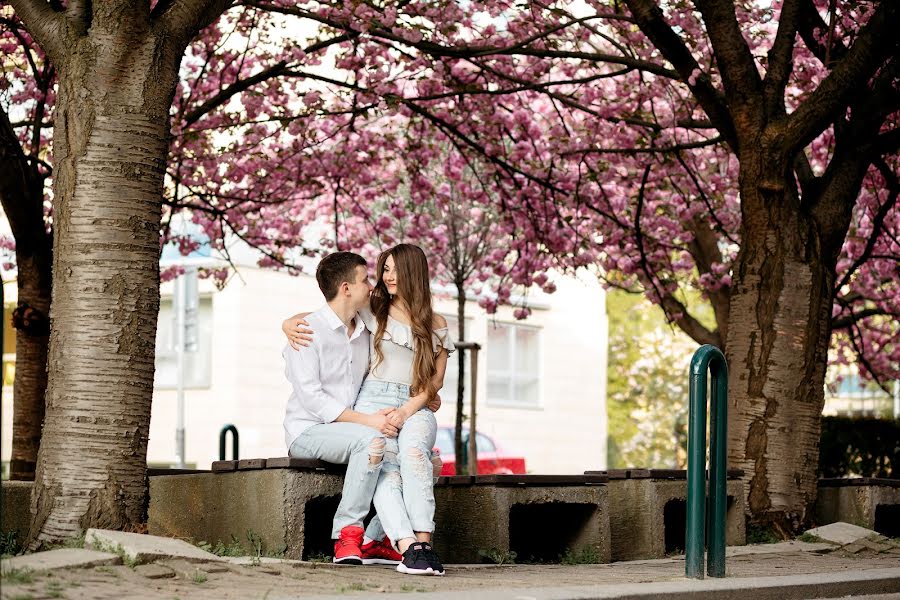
(788, 587)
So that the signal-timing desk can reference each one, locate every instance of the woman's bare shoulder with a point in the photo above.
(438, 321)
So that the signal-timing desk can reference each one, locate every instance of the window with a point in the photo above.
(197, 365)
(451, 375)
(513, 360)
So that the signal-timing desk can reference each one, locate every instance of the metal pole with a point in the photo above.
(473, 435)
(711, 358)
(234, 441)
(180, 300)
(718, 462)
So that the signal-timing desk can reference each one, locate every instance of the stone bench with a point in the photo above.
(288, 505)
(537, 517)
(870, 502)
(648, 512)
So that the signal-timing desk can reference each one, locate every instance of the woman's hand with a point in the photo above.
(434, 404)
(296, 331)
(397, 418)
(382, 421)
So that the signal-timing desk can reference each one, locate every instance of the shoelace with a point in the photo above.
(345, 542)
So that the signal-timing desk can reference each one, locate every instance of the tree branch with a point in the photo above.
(742, 83)
(45, 25)
(650, 19)
(181, 21)
(876, 41)
(780, 63)
(809, 23)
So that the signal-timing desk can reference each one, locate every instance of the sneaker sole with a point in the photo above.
(401, 568)
(379, 561)
(348, 560)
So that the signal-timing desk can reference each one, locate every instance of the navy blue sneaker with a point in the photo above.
(415, 561)
(432, 558)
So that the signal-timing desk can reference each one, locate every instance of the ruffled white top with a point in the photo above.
(398, 349)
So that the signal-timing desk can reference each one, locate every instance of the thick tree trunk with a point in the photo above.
(22, 196)
(779, 328)
(110, 145)
(458, 446)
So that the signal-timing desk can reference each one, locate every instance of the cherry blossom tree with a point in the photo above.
(713, 145)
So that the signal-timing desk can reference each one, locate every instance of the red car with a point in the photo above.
(491, 458)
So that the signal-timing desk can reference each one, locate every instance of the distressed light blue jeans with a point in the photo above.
(404, 494)
(350, 444)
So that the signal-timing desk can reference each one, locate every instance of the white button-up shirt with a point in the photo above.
(327, 374)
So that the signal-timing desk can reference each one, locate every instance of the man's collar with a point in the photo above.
(331, 318)
(334, 321)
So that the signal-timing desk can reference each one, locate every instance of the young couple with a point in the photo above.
(364, 391)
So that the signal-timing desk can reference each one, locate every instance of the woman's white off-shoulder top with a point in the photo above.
(398, 349)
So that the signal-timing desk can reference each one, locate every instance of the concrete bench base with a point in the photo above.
(869, 502)
(648, 509)
(281, 508)
(488, 519)
(291, 510)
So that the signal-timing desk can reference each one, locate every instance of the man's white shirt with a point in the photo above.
(327, 374)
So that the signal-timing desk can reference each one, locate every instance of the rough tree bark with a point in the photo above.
(22, 197)
(118, 66)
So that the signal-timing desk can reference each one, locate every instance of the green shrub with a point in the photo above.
(859, 447)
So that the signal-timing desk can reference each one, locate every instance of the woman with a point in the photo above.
(409, 346)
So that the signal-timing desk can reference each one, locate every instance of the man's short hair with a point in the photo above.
(335, 269)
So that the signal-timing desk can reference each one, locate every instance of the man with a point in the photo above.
(320, 423)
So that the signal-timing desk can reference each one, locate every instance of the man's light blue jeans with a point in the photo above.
(350, 444)
(404, 495)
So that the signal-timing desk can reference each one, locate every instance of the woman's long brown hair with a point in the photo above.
(414, 288)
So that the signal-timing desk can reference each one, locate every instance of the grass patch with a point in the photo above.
(54, 589)
(809, 538)
(106, 571)
(587, 555)
(761, 534)
(319, 558)
(9, 543)
(129, 561)
(76, 542)
(236, 548)
(16, 576)
(352, 587)
(498, 557)
(199, 577)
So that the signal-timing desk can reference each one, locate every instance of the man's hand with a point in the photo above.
(434, 404)
(296, 331)
(382, 422)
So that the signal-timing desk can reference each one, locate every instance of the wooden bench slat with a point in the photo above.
(224, 466)
(300, 464)
(251, 464)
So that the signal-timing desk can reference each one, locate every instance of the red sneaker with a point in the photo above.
(346, 547)
(380, 553)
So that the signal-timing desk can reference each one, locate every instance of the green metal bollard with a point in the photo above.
(234, 441)
(711, 358)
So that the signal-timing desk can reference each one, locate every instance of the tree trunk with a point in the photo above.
(458, 446)
(30, 383)
(779, 328)
(22, 196)
(110, 145)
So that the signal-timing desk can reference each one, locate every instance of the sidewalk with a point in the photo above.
(786, 570)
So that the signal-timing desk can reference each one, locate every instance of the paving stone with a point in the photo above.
(143, 548)
(841, 533)
(854, 548)
(154, 571)
(875, 545)
(62, 558)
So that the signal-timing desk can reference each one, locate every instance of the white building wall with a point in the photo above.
(565, 433)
